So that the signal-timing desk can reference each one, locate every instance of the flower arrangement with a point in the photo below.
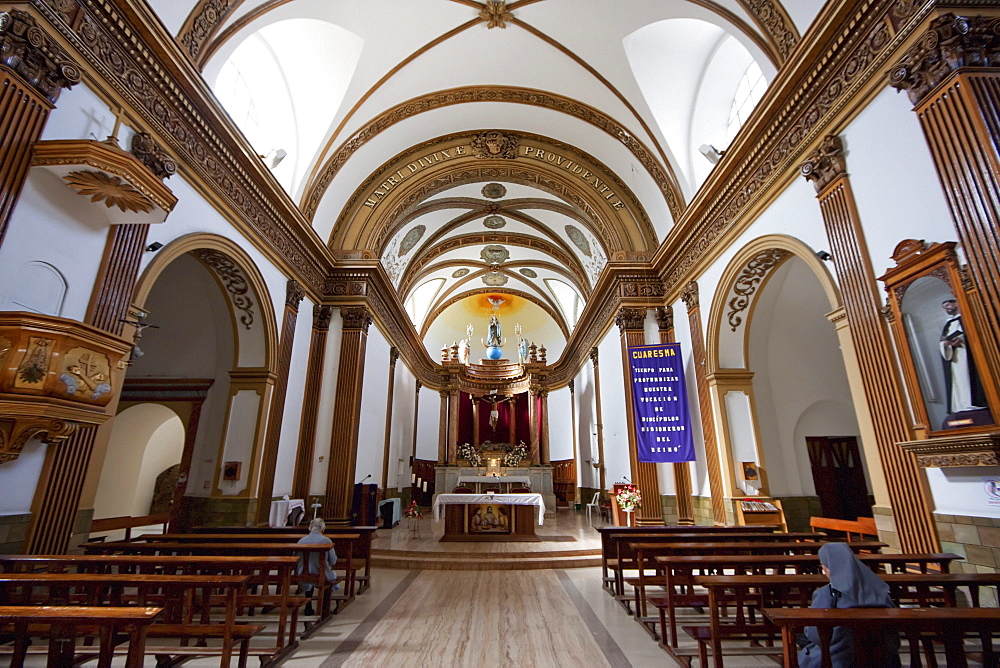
(629, 498)
(470, 454)
(516, 454)
(413, 511)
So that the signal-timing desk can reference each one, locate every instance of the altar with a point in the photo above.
(536, 478)
(489, 517)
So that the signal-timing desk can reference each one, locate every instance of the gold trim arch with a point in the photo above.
(201, 241)
(401, 184)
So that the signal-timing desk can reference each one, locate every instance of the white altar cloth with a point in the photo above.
(511, 499)
(469, 479)
(280, 509)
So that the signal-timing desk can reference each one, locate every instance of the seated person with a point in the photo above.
(315, 537)
(852, 585)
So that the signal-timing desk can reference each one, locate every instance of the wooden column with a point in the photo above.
(475, 422)
(347, 414)
(631, 326)
(883, 388)
(453, 401)
(294, 294)
(416, 420)
(574, 428)
(390, 391)
(952, 77)
(682, 470)
(533, 425)
(33, 71)
(594, 358)
(543, 446)
(443, 429)
(305, 453)
(690, 297)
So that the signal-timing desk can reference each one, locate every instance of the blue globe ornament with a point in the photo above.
(494, 353)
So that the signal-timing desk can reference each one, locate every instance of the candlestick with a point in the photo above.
(425, 485)
(413, 478)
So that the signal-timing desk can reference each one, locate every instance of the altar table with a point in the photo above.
(278, 516)
(489, 517)
(505, 481)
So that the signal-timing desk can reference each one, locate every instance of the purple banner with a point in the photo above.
(662, 420)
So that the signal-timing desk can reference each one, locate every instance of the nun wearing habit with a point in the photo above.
(852, 585)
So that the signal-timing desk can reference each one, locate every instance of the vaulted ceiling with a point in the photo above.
(486, 148)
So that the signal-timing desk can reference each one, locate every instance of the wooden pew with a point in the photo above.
(744, 593)
(950, 624)
(362, 548)
(343, 543)
(64, 622)
(264, 572)
(679, 572)
(863, 526)
(186, 601)
(128, 523)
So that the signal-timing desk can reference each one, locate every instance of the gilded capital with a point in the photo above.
(393, 356)
(152, 155)
(664, 317)
(418, 386)
(27, 50)
(630, 319)
(594, 356)
(825, 163)
(951, 42)
(294, 294)
(689, 295)
(322, 316)
(572, 386)
(356, 317)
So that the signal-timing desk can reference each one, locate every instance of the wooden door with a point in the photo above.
(839, 476)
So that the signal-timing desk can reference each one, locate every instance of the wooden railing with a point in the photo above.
(129, 523)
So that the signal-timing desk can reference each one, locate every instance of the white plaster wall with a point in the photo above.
(895, 184)
(560, 425)
(324, 421)
(428, 424)
(374, 403)
(586, 427)
(743, 439)
(613, 412)
(19, 478)
(401, 429)
(291, 421)
(163, 450)
(699, 469)
(239, 438)
(802, 12)
(963, 491)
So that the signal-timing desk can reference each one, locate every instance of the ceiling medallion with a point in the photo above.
(578, 238)
(494, 222)
(494, 277)
(496, 14)
(495, 254)
(495, 144)
(530, 273)
(459, 273)
(494, 191)
(111, 190)
(411, 239)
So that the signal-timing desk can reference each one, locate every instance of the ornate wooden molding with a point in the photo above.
(825, 163)
(665, 180)
(26, 49)
(151, 154)
(629, 319)
(949, 43)
(135, 58)
(202, 23)
(749, 281)
(495, 14)
(321, 317)
(125, 188)
(965, 450)
(689, 295)
(232, 279)
(775, 22)
(294, 294)
(356, 317)
(665, 318)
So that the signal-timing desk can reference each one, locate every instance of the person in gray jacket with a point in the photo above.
(315, 537)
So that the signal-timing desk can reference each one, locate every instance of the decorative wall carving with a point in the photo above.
(664, 318)
(202, 23)
(494, 190)
(750, 279)
(232, 279)
(689, 295)
(321, 317)
(951, 42)
(111, 190)
(770, 16)
(496, 145)
(495, 14)
(27, 50)
(356, 317)
(630, 318)
(966, 450)
(825, 163)
(152, 155)
(294, 293)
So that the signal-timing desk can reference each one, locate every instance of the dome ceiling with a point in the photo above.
(483, 148)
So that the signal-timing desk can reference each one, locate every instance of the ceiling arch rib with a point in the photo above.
(392, 192)
(417, 278)
(664, 177)
(534, 293)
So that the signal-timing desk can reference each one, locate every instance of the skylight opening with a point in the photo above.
(748, 93)
(569, 302)
(419, 303)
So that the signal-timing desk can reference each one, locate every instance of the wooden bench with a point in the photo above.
(264, 573)
(863, 526)
(679, 578)
(746, 593)
(128, 523)
(950, 624)
(362, 546)
(186, 601)
(64, 623)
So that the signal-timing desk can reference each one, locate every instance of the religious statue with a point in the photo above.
(494, 402)
(522, 344)
(463, 351)
(493, 336)
(964, 389)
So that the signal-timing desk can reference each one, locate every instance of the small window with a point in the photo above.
(420, 302)
(567, 299)
(749, 92)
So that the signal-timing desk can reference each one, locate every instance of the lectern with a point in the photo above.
(364, 506)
